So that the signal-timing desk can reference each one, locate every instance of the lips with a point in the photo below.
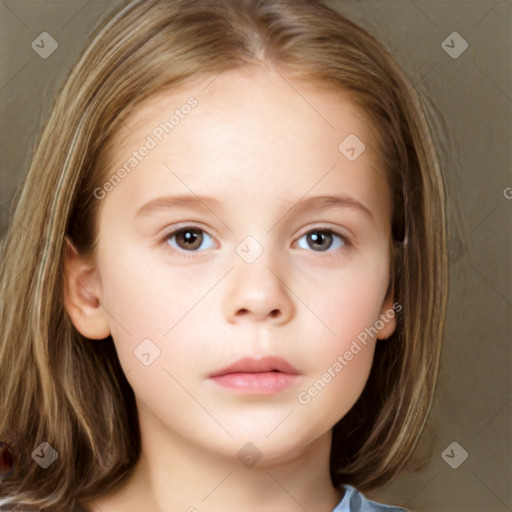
(251, 376)
(253, 365)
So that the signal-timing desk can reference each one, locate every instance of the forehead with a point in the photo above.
(252, 128)
(252, 97)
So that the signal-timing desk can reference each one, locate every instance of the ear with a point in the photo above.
(388, 314)
(82, 294)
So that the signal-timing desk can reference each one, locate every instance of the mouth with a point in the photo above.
(263, 376)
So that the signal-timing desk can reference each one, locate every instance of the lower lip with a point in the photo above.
(264, 383)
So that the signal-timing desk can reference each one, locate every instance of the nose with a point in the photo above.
(258, 292)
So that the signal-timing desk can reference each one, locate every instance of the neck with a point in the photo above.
(173, 474)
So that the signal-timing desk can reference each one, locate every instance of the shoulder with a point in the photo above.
(354, 501)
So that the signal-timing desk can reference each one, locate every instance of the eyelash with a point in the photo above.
(195, 254)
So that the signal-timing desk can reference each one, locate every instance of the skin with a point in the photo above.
(259, 146)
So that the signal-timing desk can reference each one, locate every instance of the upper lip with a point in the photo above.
(257, 365)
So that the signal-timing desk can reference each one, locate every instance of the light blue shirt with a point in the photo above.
(354, 501)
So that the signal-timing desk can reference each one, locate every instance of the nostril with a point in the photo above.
(274, 313)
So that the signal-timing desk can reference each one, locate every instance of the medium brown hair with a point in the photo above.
(61, 388)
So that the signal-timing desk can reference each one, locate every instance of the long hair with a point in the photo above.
(70, 392)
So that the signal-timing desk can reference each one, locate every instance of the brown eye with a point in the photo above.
(187, 239)
(321, 240)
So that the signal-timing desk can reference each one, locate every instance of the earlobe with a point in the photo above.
(82, 294)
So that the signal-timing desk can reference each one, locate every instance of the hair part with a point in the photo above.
(61, 388)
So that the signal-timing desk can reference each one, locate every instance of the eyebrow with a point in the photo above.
(164, 203)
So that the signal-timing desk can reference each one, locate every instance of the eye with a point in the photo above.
(322, 239)
(188, 239)
(193, 240)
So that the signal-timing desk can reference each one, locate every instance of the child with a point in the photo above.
(224, 281)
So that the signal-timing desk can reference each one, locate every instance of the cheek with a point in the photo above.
(343, 359)
(349, 304)
(341, 356)
(337, 387)
(145, 302)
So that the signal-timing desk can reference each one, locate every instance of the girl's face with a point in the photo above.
(250, 226)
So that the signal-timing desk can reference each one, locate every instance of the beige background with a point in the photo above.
(473, 96)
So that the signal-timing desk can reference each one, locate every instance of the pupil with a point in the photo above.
(191, 238)
(316, 239)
